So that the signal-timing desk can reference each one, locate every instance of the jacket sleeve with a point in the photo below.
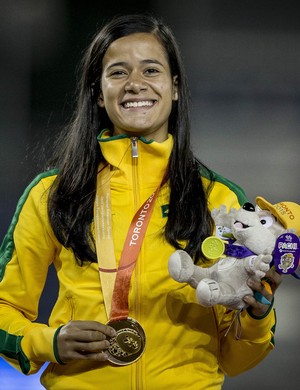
(25, 255)
(244, 340)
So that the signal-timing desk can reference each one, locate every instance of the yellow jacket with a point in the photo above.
(186, 345)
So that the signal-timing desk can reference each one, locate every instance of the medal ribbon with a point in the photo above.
(116, 282)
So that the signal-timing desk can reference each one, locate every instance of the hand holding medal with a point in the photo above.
(128, 344)
(84, 340)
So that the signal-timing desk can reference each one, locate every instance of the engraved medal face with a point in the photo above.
(129, 343)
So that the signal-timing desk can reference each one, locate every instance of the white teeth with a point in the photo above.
(138, 104)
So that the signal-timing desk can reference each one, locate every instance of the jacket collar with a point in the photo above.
(152, 157)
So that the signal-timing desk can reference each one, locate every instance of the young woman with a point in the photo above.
(127, 192)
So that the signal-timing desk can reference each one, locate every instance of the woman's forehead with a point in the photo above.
(143, 46)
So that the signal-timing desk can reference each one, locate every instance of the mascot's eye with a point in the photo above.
(248, 207)
(267, 221)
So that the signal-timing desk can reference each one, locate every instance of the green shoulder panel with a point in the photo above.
(215, 177)
(8, 245)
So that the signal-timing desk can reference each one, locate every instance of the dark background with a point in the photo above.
(243, 64)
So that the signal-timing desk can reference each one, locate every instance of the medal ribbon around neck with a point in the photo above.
(115, 281)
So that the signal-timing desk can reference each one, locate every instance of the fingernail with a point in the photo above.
(250, 282)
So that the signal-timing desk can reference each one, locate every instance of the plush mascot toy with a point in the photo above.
(247, 242)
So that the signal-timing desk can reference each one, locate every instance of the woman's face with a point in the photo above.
(137, 88)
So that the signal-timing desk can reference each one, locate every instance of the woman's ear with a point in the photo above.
(175, 88)
(100, 100)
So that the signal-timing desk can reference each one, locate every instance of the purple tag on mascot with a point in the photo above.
(287, 253)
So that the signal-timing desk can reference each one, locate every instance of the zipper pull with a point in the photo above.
(134, 147)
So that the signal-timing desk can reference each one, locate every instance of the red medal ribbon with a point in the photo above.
(115, 283)
(131, 249)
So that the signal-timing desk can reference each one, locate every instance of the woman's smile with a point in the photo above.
(132, 104)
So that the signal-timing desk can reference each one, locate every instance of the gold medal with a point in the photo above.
(129, 343)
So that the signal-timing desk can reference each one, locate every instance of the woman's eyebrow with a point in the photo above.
(151, 61)
(120, 63)
(123, 63)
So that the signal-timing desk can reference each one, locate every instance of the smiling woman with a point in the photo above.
(137, 92)
(123, 193)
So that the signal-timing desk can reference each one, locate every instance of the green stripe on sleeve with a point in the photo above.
(8, 244)
(10, 346)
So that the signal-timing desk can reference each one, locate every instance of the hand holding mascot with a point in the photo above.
(252, 239)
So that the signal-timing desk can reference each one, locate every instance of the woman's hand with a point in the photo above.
(273, 280)
(83, 340)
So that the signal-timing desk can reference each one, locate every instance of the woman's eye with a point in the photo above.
(117, 73)
(152, 71)
(267, 221)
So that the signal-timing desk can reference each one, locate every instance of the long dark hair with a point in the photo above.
(77, 156)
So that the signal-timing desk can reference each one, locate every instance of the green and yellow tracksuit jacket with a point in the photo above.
(188, 346)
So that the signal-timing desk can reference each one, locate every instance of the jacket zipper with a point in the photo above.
(136, 199)
(134, 147)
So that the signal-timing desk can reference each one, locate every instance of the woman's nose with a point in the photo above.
(135, 84)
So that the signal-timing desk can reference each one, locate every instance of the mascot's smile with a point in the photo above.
(240, 225)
